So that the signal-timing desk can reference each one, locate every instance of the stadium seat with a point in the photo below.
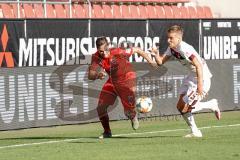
(60, 11)
(97, 11)
(146, 1)
(208, 12)
(192, 12)
(1, 13)
(28, 11)
(176, 12)
(67, 10)
(200, 12)
(134, 11)
(166, 1)
(151, 13)
(168, 11)
(15, 11)
(39, 11)
(50, 11)
(116, 11)
(126, 11)
(107, 10)
(86, 8)
(7, 11)
(143, 11)
(160, 11)
(79, 11)
(184, 12)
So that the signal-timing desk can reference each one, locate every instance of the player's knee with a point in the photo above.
(101, 110)
(184, 109)
(182, 106)
(181, 109)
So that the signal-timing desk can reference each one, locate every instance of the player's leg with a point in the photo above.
(189, 102)
(126, 92)
(185, 110)
(184, 105)
(107, 97)
(211, 104)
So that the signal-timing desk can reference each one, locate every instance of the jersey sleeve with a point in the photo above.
(168, 52)
(190, 52)
(128, 52)
(95, 63)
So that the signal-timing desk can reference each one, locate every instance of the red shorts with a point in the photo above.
(124, 89)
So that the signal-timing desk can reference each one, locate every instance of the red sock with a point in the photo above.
(103, 117)
(105, 123)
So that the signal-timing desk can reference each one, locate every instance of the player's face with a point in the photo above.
(104, 50)
(174, 39)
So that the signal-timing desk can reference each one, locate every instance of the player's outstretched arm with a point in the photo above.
(145, 56)
(160, 59)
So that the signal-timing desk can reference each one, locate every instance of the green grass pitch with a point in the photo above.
(158, 138)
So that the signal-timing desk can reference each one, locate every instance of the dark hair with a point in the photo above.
(100, 41)
(175, 28)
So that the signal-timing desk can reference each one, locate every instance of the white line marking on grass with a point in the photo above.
(117, 135)
(39, 143)
(152, 132)
(174, 130)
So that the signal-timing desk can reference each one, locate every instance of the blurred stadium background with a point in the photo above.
(118, 9)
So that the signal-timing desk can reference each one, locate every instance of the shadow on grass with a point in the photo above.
(42, 138)
(85, 137)
(142, 137)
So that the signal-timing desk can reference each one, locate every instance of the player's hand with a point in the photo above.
(154, 52)
(101, 75)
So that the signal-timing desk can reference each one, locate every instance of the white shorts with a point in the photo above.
(189, 87)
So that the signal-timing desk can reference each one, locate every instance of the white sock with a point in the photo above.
(188, 117)
(204, 105)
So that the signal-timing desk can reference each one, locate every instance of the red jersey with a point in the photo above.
(116, 65)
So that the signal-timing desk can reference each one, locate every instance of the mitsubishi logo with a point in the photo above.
(4, 55)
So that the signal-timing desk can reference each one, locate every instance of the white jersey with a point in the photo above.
(184, 53)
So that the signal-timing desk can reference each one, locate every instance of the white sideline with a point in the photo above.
(117, 135)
